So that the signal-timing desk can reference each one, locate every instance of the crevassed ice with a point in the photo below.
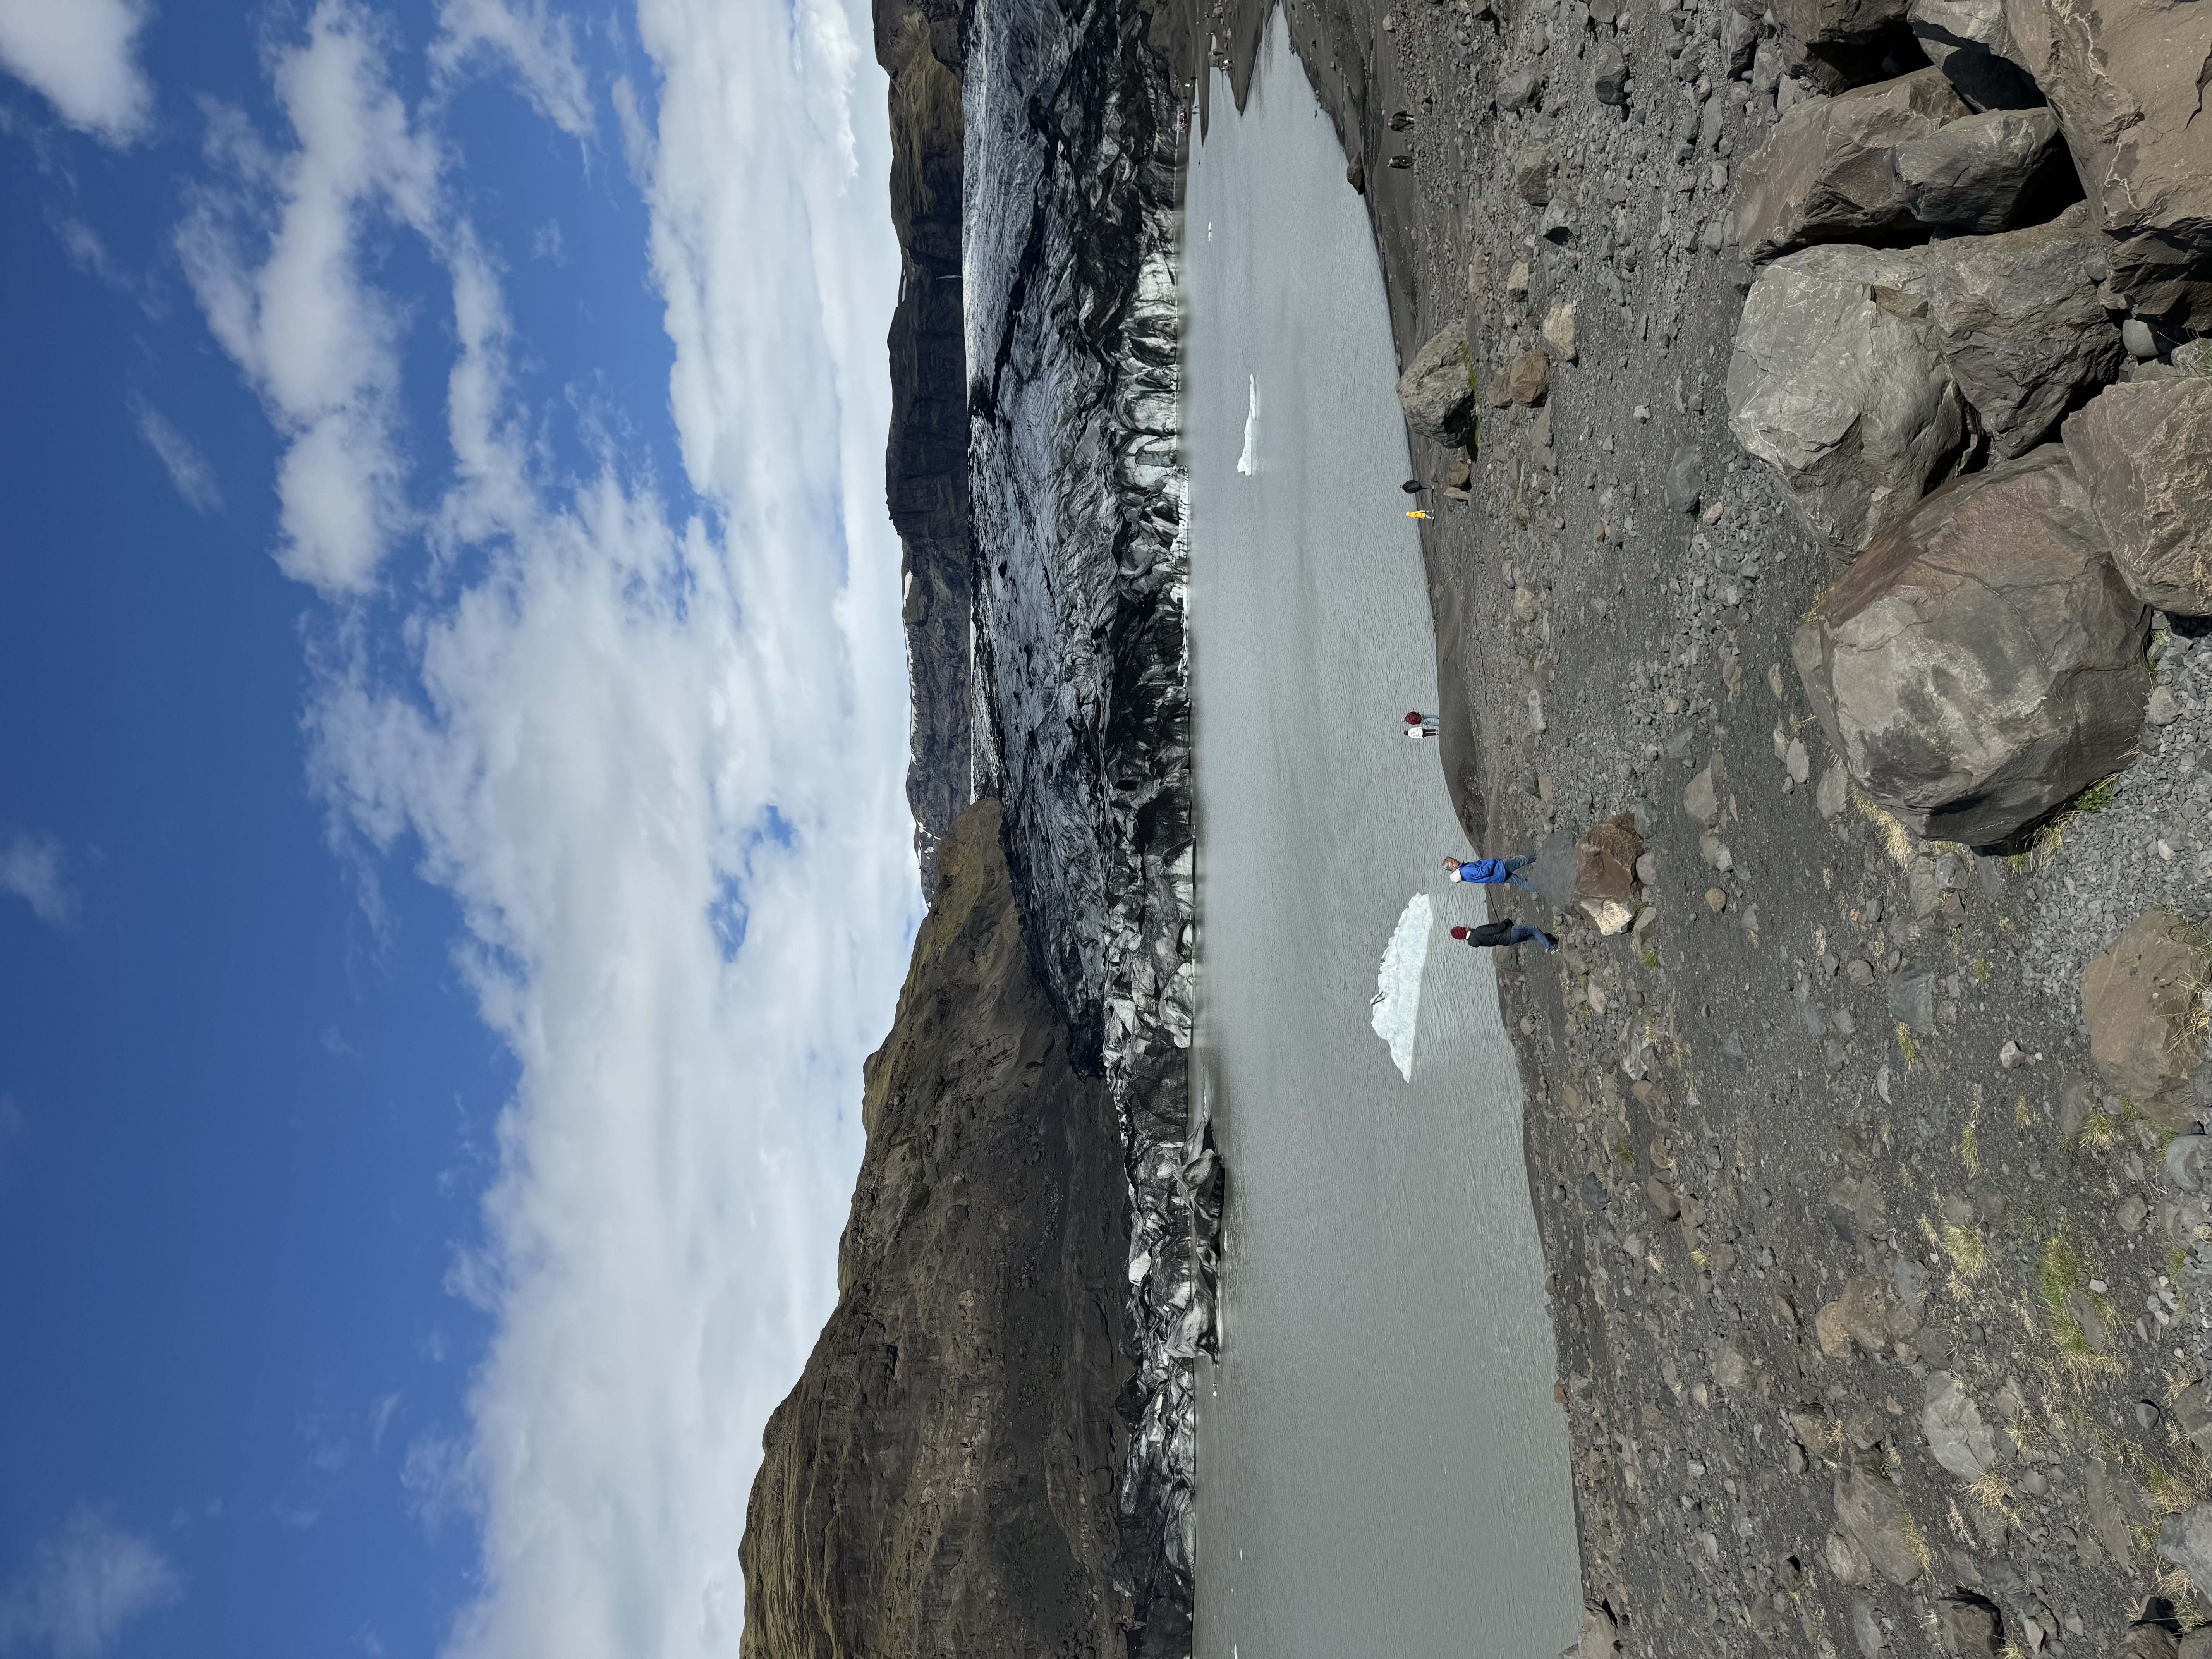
(1398, 983)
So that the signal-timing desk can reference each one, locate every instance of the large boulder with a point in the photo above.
(1970, 1626)
(1982, 661)
(2145, 450)
(1605, 873)
(2127, 78)
(2144, 1002)
(1821, 22)
(1961, 1441)
(1827, 170)
(1967, 39)
(1838, 383)
(2185, 1539)
(1986, 172)
(1871, 1511)
(1438, 391)
(2021, 327)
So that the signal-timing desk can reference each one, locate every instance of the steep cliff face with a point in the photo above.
(943, 1481)
(926, 461)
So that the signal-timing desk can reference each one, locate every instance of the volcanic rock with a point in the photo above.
(2142, 449)
(2127, 78)
(1828, 171)
(1437, 390)
(2147, 1022)
(1952, 1423)
(1969, 1626)
(1532, 174)
(1821, 22)
(1968, 40)
(1984, 172)
(1982, 661)
(2185, 1539)
(2020, 325)
(1529, 379)
(1871, 1513)
(1840, 387)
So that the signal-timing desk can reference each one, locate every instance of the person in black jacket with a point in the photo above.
(1509, 932)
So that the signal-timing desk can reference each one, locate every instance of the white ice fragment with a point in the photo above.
(1398, 983)
(1249, 462)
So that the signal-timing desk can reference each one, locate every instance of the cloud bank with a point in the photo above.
(82, 54)
(651, 736)
(81, 1589)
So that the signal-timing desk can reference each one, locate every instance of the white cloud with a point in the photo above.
(31, 868)
(274, 257)
(540, 49)
(656, 752)
(81, 54)
(82, 1587)
(188, 468)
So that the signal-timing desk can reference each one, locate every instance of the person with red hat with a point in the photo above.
(1419, 725)
(1492, 934)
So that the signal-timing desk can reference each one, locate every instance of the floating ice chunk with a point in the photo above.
(1398, 983)
(1249, 462)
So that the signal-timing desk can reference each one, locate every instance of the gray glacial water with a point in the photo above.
(1381, 1467)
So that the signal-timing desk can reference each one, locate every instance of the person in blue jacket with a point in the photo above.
(1488, 872)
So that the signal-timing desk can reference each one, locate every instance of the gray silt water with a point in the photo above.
(1381, 1468)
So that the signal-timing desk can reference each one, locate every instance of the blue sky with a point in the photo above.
(453, 848)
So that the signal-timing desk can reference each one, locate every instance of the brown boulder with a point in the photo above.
(1837, 382)
(2127, 79)
(1827, 171)
(1982, 660)
(2145, 450)
(1821, 22)
(1437, 393)
(1871, 1513)
(1985, 173)
(1605, 860)
(2019, 323)
(1529, 379)
(1860, 1315)
(2144, 1002)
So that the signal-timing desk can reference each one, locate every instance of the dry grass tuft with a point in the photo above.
(1895, 841)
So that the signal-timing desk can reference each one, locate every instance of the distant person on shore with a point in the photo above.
(1412, 486)
(1488, 872)
(1419, 725)
(1493, 934)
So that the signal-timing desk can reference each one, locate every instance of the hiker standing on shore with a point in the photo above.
(1488, 872)
(1493, 934)
(1419, 725)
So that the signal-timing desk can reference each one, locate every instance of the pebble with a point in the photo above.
(2163, 710)
(1716, 900)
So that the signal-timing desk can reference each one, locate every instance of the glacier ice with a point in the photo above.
(1398, 983)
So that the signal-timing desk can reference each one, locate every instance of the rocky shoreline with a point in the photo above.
(1879, 1282)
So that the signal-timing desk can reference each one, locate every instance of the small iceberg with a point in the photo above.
(1249, 462)
(1398, 983)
